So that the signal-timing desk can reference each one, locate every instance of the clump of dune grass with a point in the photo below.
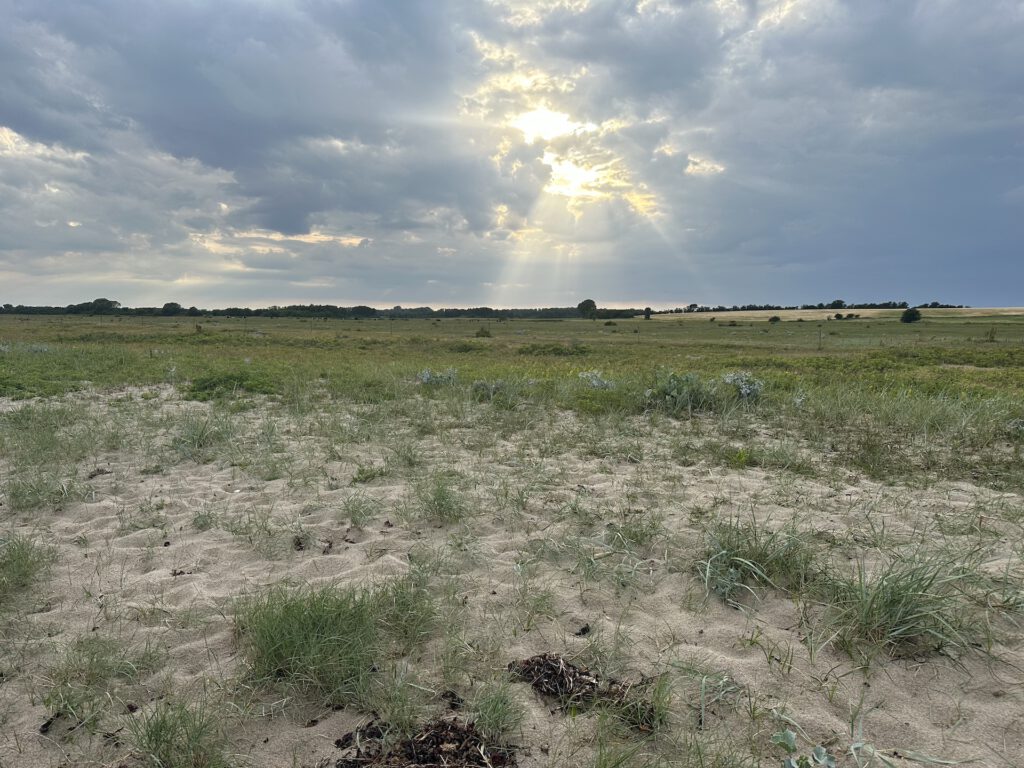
(40, 488)
(80, 682)
(178, 734)
(320, 641)
(742, 554)
(439, 501)
(23, 561)
(329, 643)
(359, 509)
(199, 433)
(903, 607)
(636, 529)
(496, 711)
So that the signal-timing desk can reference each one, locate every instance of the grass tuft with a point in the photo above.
(328, 642)
(42, 488)
(199, 433)
(903, 607)
(320, 641)
(739, 554)
(440, 502)
(80, 683)
(496, 711)
(174, 734)
(22, 563)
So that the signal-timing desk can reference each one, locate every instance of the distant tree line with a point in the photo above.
(587, 308)
(174, 309)
(832, 305)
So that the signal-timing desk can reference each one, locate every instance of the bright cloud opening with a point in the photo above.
(546, 124)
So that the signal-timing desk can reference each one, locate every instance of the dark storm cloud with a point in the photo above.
(748, 150)
(235, 85)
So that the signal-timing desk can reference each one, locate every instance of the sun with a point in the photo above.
(543, 123)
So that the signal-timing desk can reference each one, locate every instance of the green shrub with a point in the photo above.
(214, 385)
(556, 350)
(433, 379)
(501, 393)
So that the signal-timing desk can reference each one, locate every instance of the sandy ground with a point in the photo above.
(134, 565)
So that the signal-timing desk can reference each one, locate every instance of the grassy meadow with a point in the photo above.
(696, 540)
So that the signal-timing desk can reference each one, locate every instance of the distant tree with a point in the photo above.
(587, 308)
(195, 312)
(774, 319)
(171, 308)
(647, 313)
(910, 315)
(94, 307)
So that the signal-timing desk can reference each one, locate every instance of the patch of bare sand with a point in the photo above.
(135, 563)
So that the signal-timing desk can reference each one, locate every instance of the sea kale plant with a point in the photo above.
(747, 388)
(431, 378)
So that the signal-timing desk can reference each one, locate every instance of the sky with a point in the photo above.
(510, 153)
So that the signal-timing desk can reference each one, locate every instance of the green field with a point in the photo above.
(945, 394)
(941, 354)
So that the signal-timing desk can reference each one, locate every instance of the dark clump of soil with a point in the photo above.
(453, 700)
(576, 687)
(442, 742)
(371, 734)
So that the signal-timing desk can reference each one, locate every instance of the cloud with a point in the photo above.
(459, 152)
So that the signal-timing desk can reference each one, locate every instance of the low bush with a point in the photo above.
(226, 383)
(556, 350)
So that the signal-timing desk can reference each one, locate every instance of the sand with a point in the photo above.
(133, 565)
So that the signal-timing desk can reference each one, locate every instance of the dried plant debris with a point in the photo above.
(576, 687)
(551, 675)
(453, 700)
(442, 742)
